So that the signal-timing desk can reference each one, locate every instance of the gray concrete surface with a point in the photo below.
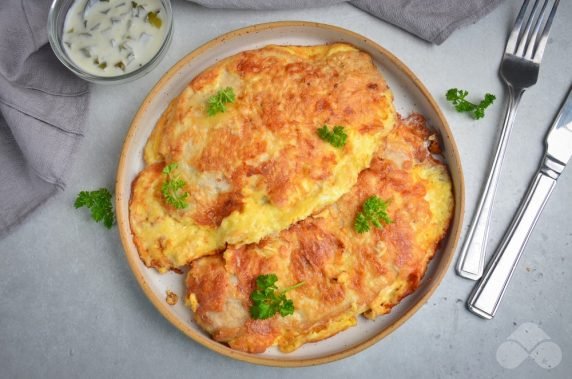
(70, 307)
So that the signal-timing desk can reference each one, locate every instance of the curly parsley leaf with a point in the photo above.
(361, 225)
(267, 300)
(169, 168)
(457, 98)
(216, 103)
(374, 211)
(480, 110)
(172, 188)
(337, 137)
(99, 203)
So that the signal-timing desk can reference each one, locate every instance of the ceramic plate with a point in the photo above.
(410, 95)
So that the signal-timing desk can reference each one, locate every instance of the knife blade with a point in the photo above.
(559, 138)
(489, 291)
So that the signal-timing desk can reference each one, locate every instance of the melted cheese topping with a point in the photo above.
(260, 166)
(345, 273)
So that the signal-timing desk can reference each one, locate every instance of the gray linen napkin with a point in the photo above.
(42, 112)
(432, 20)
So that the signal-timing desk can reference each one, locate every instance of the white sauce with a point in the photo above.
(113, 37)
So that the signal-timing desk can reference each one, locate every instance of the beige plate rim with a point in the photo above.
(162, 307)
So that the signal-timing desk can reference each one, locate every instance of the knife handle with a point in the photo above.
(487, 294)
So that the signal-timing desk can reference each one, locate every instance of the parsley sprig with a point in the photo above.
(457, 98)
(337, 137)
(99, 203)
(216, 103)
(267, 300)
(374, 211)
(172, 187)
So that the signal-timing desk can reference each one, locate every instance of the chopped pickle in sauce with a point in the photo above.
(154, 19)
(127, 32)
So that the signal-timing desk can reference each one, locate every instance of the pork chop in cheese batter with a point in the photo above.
(260, 166)
(345, 273)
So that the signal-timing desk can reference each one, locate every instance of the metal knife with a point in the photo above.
(487, 294)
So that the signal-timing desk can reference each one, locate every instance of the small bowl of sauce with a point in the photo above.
(110, 41)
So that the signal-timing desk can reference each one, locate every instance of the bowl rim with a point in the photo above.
(162, 307)
(59, 52)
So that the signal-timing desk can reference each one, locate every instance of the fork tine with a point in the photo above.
(513, 39)
(524, 36)
(532, 41)
(544, 38)
(531, 45)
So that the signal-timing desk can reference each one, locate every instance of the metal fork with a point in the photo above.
(519, 69)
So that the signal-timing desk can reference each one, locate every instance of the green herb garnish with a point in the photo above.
(154, 19)
(217, 102)
(374, 211)
(457, 98)
(267, 300)
(171, 188)
(337, 137)
(120, 65)
(99, 203)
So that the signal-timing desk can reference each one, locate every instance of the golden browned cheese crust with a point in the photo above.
(260, 166)
(345, 273)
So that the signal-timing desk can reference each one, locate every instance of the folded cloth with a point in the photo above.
(42, 112)
(431, 20)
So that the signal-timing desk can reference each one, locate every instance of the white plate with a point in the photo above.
(410, 96)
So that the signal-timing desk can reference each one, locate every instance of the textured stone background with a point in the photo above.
(70, 307)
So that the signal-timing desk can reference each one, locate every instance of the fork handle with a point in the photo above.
(472, 256)
(487, 294)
